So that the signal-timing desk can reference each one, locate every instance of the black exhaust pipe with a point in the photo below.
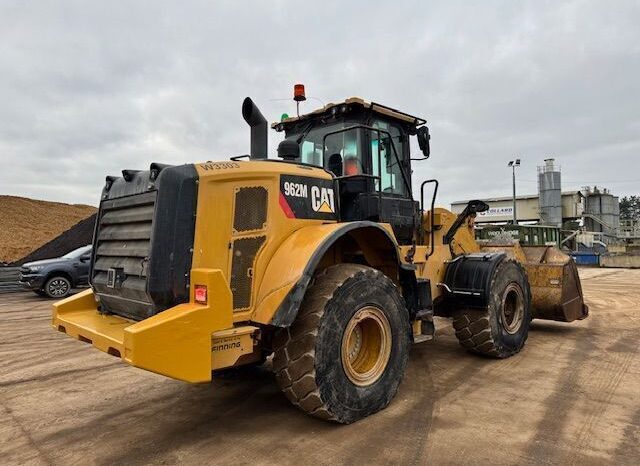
(258, 124)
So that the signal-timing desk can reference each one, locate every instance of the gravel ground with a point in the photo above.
(572, 396)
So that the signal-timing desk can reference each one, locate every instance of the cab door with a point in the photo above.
(389, 164)
(374, 182)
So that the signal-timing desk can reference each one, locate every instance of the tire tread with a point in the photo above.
(473, 327)
(296, 374)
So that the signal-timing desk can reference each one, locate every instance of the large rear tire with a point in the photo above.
(345, 354)
(500, 330)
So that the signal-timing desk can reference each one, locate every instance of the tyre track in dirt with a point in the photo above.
(123, 415)
(549, 445)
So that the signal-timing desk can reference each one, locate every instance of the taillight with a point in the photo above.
(200, 294)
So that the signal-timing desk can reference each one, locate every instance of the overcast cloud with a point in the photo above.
(90, 88)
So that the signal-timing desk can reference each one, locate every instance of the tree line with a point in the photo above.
(630, 208)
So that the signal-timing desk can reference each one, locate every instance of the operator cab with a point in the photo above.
(366, 147)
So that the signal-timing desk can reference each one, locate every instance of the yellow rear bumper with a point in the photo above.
(175, 343)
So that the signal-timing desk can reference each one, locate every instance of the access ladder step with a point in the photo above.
(421, 338)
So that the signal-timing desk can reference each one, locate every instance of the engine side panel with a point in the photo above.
(246, 210)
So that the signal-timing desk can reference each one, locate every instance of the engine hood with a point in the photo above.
(57, 260)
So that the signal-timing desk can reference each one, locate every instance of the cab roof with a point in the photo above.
(353, 101)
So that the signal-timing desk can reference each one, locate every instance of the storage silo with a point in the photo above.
(605, 207)
(550, 194)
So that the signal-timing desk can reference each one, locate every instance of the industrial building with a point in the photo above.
(601, 211)
(527, 208)
(550, 206)
(591, 214)
(630, 231)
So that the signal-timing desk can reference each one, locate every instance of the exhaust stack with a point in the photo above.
(258, 124)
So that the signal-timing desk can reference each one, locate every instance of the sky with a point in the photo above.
(90, 88)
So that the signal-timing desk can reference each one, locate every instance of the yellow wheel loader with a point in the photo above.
(322, 257)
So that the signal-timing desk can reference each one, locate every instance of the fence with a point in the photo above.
(9, 279)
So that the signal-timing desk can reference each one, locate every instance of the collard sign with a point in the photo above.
(497, 212)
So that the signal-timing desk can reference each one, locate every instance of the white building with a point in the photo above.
(527, 208)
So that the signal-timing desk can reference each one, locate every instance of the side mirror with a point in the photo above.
(423, 140)
(84, 258)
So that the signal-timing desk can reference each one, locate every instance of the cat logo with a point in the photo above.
(307, 197)
(322, 200)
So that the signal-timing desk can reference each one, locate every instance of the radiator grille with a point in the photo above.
(122, 248)
(244, 253)
(250, 211)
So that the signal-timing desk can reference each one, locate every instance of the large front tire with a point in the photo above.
(502, 328)
(344, 356)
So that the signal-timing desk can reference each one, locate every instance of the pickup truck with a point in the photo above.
(55, 278)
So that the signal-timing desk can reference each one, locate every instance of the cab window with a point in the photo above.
(383, 159)
(311, 152)
(344, 149)
(342, 154)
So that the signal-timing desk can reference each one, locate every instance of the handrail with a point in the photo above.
(598, 220)
(431, 215)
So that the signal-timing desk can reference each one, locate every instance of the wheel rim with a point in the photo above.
(58, 287)
(512, 308)
(366, 346)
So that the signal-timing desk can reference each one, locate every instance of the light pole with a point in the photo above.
(513, 164)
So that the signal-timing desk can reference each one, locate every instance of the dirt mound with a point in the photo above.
(27, 224)
(75, 237)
